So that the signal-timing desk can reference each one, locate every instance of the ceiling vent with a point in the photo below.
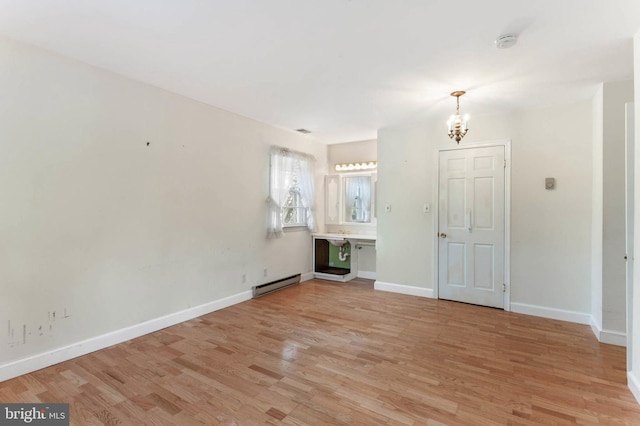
(303, 131)
(506, 41)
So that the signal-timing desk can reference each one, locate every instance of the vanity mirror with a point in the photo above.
(357, 199)
(350, 199)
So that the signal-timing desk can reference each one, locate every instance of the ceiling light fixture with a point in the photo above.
(457, 127)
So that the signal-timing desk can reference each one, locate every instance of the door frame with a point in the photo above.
(506, 143)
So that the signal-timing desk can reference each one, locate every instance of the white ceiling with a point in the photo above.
(343, 68)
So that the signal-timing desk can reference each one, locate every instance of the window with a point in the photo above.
(294, 213)
(291, 192)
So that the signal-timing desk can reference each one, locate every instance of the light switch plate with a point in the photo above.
(387, 208)
(426, 208)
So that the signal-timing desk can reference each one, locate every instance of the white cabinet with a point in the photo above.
(350, 199)
(332, 199)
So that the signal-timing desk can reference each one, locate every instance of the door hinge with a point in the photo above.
(505, 164)
(504, 288)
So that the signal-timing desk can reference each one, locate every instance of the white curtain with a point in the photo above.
(305, 183)
(284, 164)
(281, 165)
(365, 195)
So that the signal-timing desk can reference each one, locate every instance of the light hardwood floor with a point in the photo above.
(324, 353)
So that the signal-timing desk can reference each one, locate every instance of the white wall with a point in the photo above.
(634, 375)
(550, 238)
(122, 203)
(597, 208)
(616, 95)
(352, 152)
(629, 220)
(608, 291)
(550, 230)
(404, 252)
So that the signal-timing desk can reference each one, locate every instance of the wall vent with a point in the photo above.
(262, 289)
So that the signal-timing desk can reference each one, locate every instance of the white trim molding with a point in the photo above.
(552, 313)
(613, 338)
(634, 385)
(306, 276)
(609, 337)
(596, 327)
(367, 275)
(35, 362)
(404, 289)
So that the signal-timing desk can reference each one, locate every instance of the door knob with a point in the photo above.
(443, 235)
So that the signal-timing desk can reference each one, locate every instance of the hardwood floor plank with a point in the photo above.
(331, 353)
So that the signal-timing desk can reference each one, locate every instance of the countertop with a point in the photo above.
(334, 236)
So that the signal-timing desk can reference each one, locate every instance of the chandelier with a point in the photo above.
(456, 125)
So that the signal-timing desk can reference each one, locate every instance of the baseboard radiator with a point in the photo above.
(262, 289)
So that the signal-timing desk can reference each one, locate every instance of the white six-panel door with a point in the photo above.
(472, 226)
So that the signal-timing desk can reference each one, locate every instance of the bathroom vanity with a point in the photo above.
(350, 224)
(335, 256)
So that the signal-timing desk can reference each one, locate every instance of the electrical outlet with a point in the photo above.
(265, 272)
(244, 278)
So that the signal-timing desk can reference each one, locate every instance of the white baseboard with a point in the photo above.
(552, 313)
(596, 327)
(613, 338)
(367, 275)
(46, 359)
(403, 289)
(608, 336)
(306, 277)
(633, 382)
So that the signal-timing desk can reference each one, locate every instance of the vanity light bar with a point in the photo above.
(350, 167)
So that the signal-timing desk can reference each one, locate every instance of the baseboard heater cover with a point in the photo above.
(262, 289)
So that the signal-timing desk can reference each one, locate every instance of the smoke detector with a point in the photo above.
(505, 41)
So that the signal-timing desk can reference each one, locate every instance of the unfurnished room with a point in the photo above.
(337, 212)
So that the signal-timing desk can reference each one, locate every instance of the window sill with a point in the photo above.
(295, 228)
